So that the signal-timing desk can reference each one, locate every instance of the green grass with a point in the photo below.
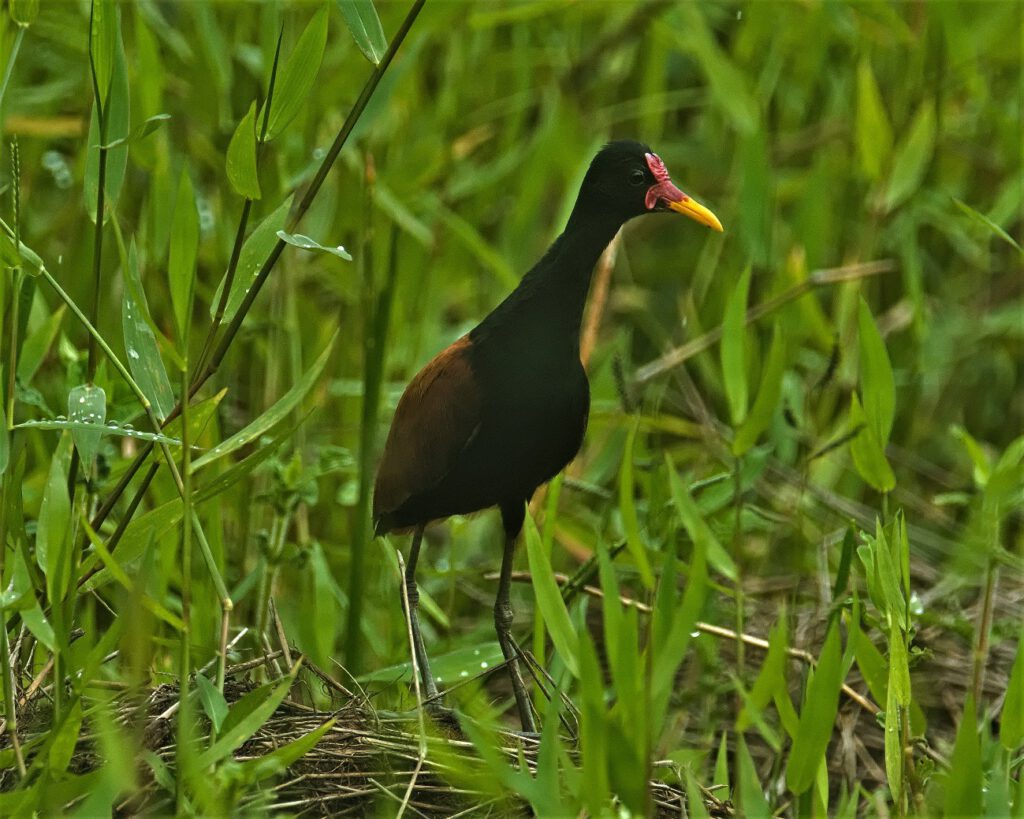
(801, 485)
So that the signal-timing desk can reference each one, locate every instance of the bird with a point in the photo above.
(504, 408)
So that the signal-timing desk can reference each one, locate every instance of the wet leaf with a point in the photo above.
(254, 252)
(87, 407)
(305, 243)
(144, 361)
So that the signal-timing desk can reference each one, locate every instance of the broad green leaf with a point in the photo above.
(1011, 721)
(868, 455)
(241, 161)
(181, 257)
(752, 801)
(305, 243)
(876, 378)
(816, 717)
(364, 26)
(733, 349)
(767, 395)
(912, 157)
(277, 413)
(254, 252)
(698, 528)
(874, 133)
(721, 776)
(214, 705)
(298, 75)
(694, 798)
(87, 409)
(64, 738)
(253, 770)
(549, 599)
(246, 717)
(964, 784)
(52, 550)
(144, 361)
(627, 507)
(982, 219)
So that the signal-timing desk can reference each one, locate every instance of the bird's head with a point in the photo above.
(629, 179)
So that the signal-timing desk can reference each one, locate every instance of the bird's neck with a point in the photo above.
(551, 296)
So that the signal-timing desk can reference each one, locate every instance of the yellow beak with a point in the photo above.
(696, 211)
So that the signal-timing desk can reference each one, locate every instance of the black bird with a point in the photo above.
(503, 409)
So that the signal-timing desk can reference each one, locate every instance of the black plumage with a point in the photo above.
(504, 409)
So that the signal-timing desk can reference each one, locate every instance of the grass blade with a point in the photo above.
(298, 74)
(734, 349)
(241, 158)
(549, 599)
(364, 26)
(181, 259)
(277, 413)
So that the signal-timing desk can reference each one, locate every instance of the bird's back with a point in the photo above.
(484, 423)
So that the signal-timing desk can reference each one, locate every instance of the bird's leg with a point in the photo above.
(413, 596)
(503, 625)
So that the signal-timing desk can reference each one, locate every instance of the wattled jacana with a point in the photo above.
(503, 409)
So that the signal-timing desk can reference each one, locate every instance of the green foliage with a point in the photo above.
(866, 301)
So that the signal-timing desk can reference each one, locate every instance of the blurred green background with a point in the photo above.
(823, 134)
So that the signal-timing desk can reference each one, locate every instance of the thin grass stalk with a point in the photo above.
(378, 316)
(339, 142)
(10, 710)
(184, 667)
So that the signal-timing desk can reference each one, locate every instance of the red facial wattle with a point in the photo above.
(664, 191)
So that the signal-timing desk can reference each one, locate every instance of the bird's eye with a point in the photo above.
(637, 177)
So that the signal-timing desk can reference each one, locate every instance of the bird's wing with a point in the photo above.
(436, 417)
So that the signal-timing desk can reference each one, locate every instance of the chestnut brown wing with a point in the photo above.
(436, 417)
